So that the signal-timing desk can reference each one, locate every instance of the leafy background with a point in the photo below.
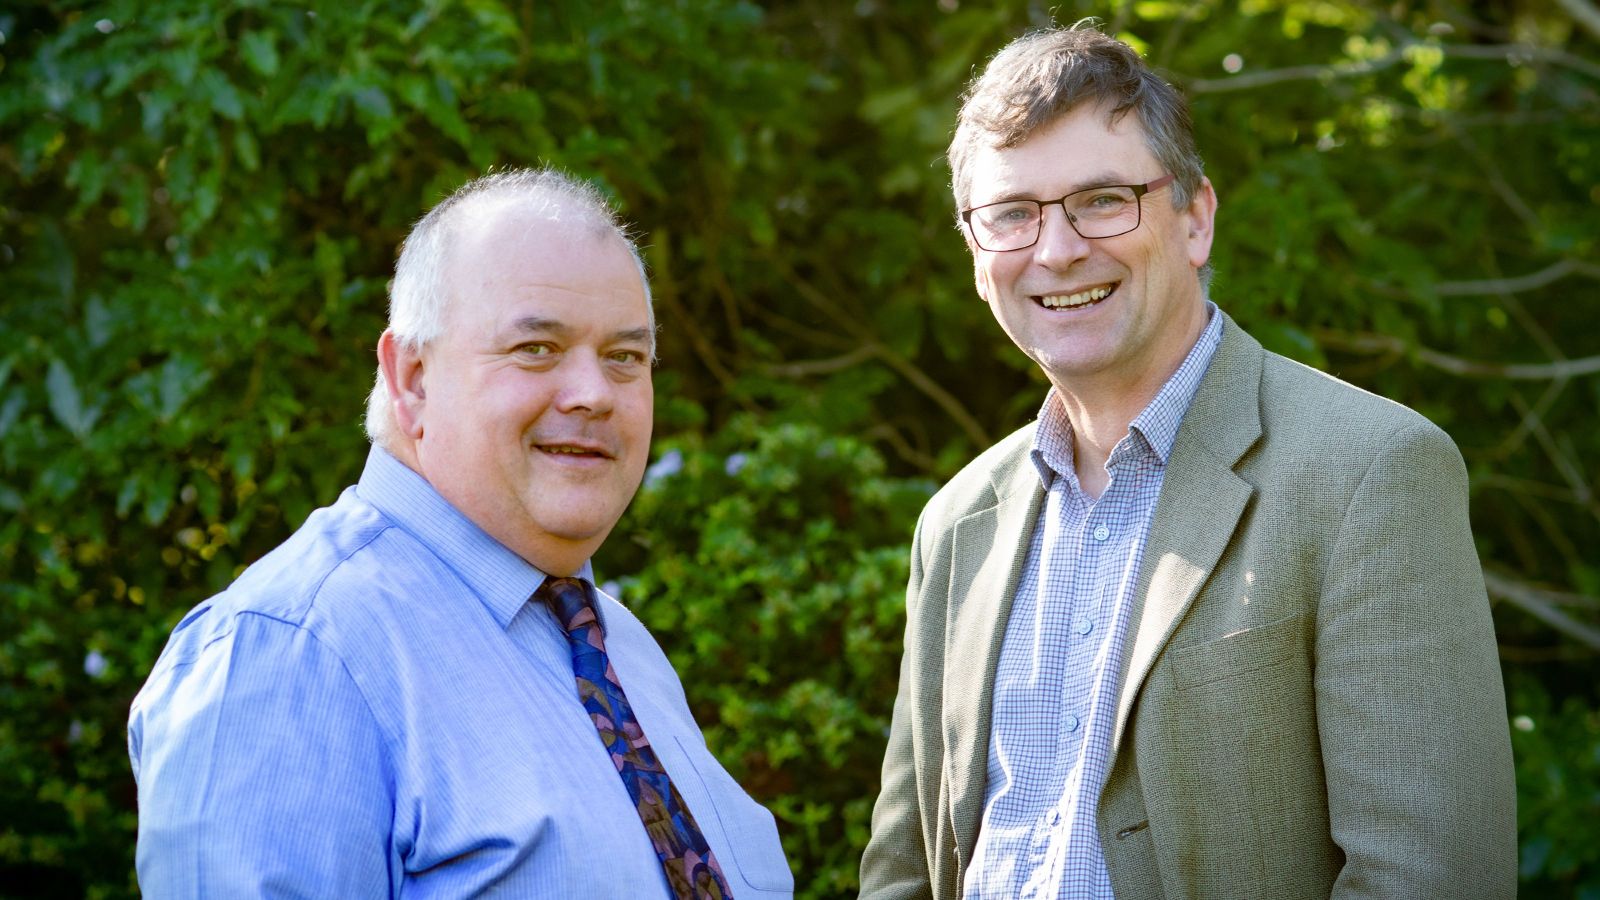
(199, 205)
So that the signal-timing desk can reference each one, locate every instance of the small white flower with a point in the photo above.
(734, 463)
(94, 665)
(75, 732)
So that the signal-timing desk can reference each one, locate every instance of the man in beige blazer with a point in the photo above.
(1291, 690)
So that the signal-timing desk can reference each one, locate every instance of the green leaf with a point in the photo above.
(87, 173)
(66, 402)
(249, 152)
(181, 378)
(494, 17)
(99, 321)
(132, 487)
(159, 492)
(15, 403)
(225, 98)
(374, 102)
(260, 53)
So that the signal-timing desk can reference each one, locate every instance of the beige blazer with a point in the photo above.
(1311, 702)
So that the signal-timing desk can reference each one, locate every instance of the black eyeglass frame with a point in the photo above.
(1139, 190)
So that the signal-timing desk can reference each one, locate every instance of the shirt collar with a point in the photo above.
(500, 578)
(1157, 424)
(1160, 420)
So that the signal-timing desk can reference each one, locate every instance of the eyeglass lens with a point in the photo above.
(1095, 213)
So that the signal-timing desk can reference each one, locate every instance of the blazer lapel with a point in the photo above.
(991, 545)
(1201, 501)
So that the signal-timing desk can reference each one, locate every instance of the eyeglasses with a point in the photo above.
(1098, 212)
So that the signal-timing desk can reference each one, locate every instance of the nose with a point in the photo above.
(585, 389)
(1059, 244)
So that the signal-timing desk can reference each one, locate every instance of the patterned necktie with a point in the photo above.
(692, 870)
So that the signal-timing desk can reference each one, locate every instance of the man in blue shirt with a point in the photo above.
(1213, 625)
(421, 691)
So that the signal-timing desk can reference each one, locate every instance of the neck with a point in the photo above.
(1095, 431)
(405, 451)
(550, 555)
(1102, 405)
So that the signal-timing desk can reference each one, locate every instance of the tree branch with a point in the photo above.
(897, 441)
(1569, 468)
(1528, 487)
(1455, 365)
(946, 400)
(1507, 53)
(1543, 515)
(1517, 284)
(666, 291)
(1585, 13)
(1497, 179)
(1512, 54)
(805, 367)
(1500, 287)
(1542, 605)
(1292, 73)
(1531, 419)
(907, 369)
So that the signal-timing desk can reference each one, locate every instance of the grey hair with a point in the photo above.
(419, 295)
(1045, 74)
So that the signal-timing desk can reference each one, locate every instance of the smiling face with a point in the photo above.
(1116, 314)
(532, 413)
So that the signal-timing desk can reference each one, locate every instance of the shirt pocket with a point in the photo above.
(749, 831)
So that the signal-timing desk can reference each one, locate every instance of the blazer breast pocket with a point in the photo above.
(1238, 654)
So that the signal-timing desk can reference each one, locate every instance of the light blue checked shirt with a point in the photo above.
(374, 709)
(1055, 688)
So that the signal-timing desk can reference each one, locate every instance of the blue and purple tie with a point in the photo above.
(692, 871)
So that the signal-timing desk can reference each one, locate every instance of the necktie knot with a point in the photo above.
(568, 599)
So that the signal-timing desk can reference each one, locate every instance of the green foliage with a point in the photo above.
(1558, 791)
(199, 206)
(772, 562)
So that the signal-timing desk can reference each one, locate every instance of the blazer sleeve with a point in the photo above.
(895, 864)
(1409, 701)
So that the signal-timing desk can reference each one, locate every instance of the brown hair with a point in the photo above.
(1043, 75)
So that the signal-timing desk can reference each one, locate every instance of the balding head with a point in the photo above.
(422, 290)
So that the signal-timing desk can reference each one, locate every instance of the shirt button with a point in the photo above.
(1101, 533)
(1071, 723)
(1083, 626)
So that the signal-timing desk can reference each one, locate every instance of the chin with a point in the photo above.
(579, 528)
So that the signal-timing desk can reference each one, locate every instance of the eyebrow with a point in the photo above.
(631, 335)
(544, 325)
(1088, 184)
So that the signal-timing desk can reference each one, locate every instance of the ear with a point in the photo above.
(402, 375)
(1201, 219)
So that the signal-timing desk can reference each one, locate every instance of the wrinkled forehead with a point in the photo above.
(496, 247)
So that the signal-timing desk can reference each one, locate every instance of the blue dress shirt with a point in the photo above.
(375, 709)
(1056, 684)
